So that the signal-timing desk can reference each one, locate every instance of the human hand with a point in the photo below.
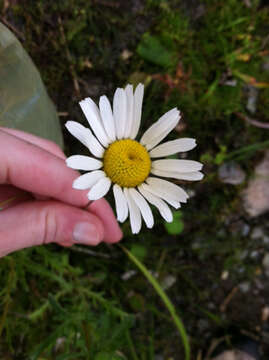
(40, 205)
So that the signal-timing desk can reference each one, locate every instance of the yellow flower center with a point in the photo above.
(127, 163)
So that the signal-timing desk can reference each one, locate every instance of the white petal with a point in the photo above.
(138, 101)
(107, 117)
(177, 165)
(160, 129)
(92, 114)
(135, 214)
(130, 110)
(81, 162)
(173, 147)
(167, 188)
(169, 200)
(100, 189)
(121, 203)
(85, 136)
(86, 181)
(163, 208)
(119, 111)
(143, 207)
(96, 148)
(192, 176)
(79, 132)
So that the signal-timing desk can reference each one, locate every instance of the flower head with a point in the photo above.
(128, 164)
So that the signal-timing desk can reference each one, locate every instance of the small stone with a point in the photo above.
(126, 54)
(225, 275)
(259, 284)
(211, 305)
(256, 198)
(59, 344)
(247, 3)
(265, 314)
(244, 287)
(265, 261)
(128, 275)
(265, 66)
(262, 168)
(168, 281)
(257, 233)
(253, 93)
(245, 229)
(254, 254)
(256, 195)
(231, 83)
(265, 240)
(231, 173)
(233, 355)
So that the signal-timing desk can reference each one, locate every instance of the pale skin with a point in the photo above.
(39, 205)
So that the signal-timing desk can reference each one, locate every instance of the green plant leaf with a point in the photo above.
(139, 251)
(151, 49)
(176, 226)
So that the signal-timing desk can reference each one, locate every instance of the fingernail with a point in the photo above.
(86, 233)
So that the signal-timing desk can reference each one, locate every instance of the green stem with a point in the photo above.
(131, 346)
(170, 307)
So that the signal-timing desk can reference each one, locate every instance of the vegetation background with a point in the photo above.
(210, 59)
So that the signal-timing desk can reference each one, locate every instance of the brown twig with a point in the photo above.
(12, 28)
(63, 113)
(5, 6)
(228, 299)
(214, 344)
(89, 252)
(253, 122)
(69, 58)
(247, 3)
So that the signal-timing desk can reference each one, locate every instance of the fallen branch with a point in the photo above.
(253, 122)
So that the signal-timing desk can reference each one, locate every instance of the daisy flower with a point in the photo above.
(134, 169)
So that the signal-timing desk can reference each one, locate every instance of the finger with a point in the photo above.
(45, 144)
(102, 209)
(36, 223)
(28, 167)
(33, 169)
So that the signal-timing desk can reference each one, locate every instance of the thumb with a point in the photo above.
(41, 222)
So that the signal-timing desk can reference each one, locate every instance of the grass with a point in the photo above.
(59, 303)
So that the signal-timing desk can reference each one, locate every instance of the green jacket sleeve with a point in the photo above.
(24, 102)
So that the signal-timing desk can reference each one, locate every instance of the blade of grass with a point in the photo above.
(170, 307)
(6, 202)
(246, 150)
(131, 345)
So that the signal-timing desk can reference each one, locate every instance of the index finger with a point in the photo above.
(34, 169)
